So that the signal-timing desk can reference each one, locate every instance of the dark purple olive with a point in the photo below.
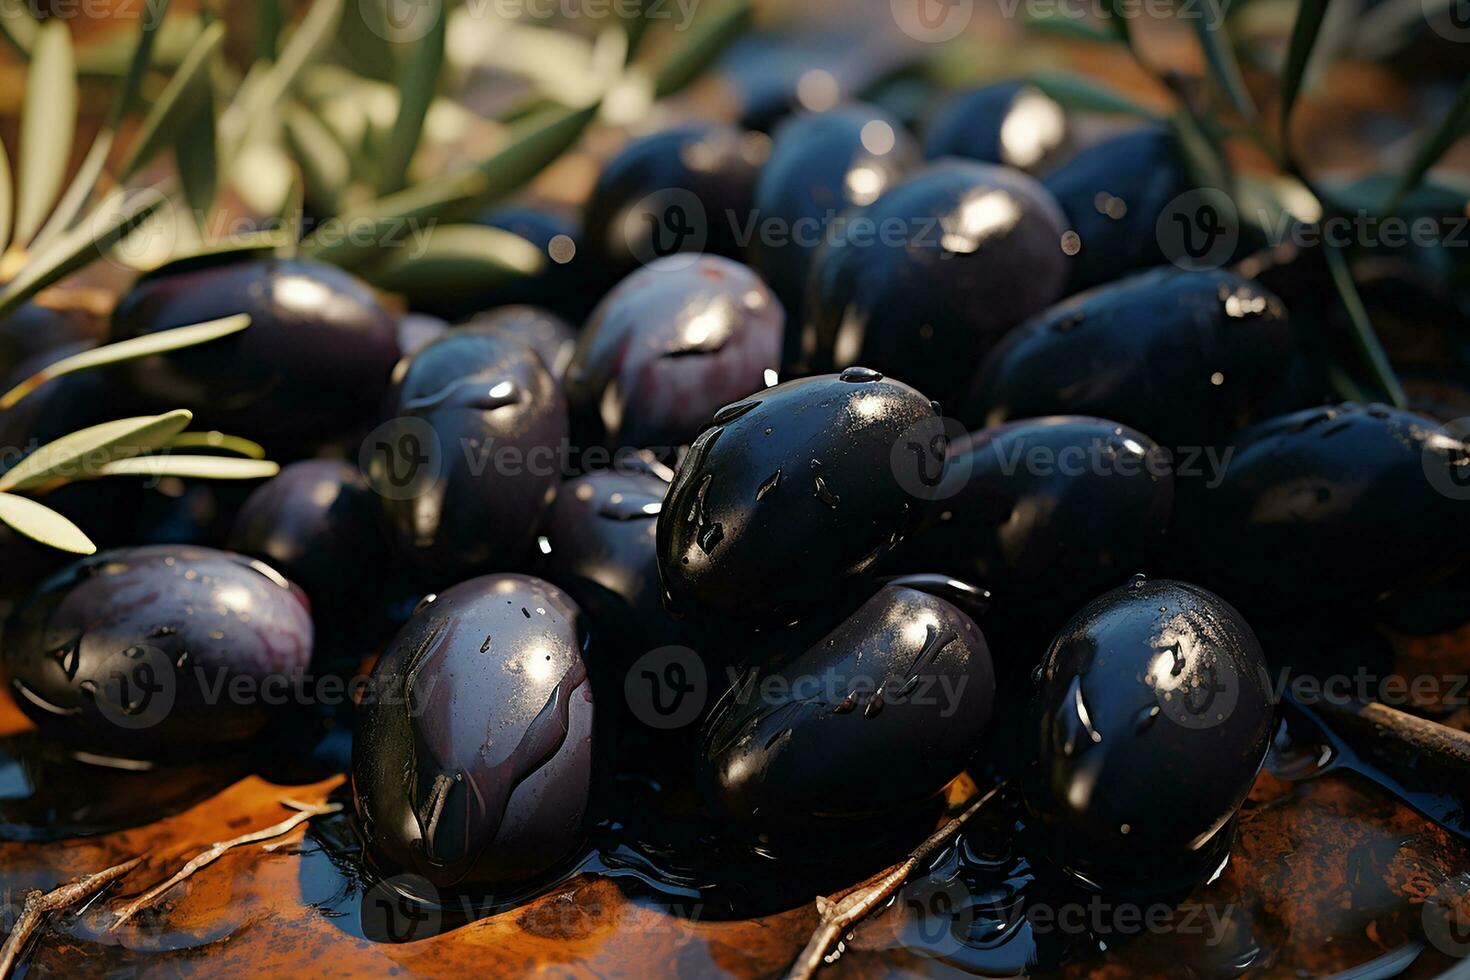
(684, 189)
(1113, 194)
(820, 165)
(673, 342)
(1005, 122)
(790, 496)
(1337, 505)
(543, 331)
(924, 281)
(1155, 714)
(875, 718)
(1188, 357)
(471, 458)
(36, 327)
(170, 649)
(1045, 512)
(417, 329)
(561, 285)
(473, 759)
(315, 359)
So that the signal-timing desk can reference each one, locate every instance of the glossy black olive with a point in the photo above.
(562, 284)
(170, 649)
(790, 496)
(1046, 512)
(673, 342)
(543, 331)
(875, 718)
(1330, 505)
(472, 457)
(1113, 193)
(820, 165)
(315, 359)
(924, 281)
(474, 755)
(35, 327)
(1188, 357)
(1155, 713)
(1005, 122)
(687, 188)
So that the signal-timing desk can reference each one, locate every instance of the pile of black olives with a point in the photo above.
(727, 514)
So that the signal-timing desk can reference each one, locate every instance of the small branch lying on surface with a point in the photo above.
(38, 906)
(840, 915)
(212, 853)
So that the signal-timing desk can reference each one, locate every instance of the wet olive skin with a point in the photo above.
(1144, 169)
(553, 338)
(1329, 505)
(1006, 122)
(876, 717)
(498, 420)
(484, 781)
(1136, 778)
(672, 343)
(788, 497)
(920, 284)
(171, 618)
(1187, 357)
(820, 165)
(316, 357)
(1072, 493)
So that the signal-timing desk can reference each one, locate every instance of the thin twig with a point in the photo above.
(38, 906)
(840, 915)
(214, 851)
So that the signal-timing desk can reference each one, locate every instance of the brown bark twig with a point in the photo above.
(839, 915)
(38, 905)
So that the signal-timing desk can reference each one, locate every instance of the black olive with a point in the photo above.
(875, 718)
(673, 342)
(1113, 194)
(471, 459)
(820, 165)
(543, 331)
(316, 357)
(35, 328)
(1333, 505)
(417, 329)
(1188, 357)
(1004, 122)
(921, 283)
(790, 496)
(561, 285)
(1155, 713)
(169, 649)
(474, 755)
(1046, 512)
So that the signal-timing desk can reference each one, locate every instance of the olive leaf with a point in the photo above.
(6, 201)
(196, 467)
(84, 452)
(705, 43)
(40, 523)
(1071, 27)
(214, 439)
(185, 95)
(49, 119)
(18, 26)
(147, 345)
(417, 82)
(457, 262)
(196, 158)
(1304, 32)
(1364, 339)
(1214, 41)
(1079, 92)
(1454, 125)
(325, 166)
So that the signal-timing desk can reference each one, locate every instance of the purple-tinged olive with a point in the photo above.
(316, 357)
(1330, 505)
(470, 459)
(562, 284)
(921, 283)
(672, 343)
(1045, 512)
(1005, 122)
(874, 719)
(1113, 194)
(161, 650)
(789, 497)
(543, 331)
(473, 759)
(415, 330)
(1188, 357)
(36, 327)
(820, 165)
(1155, 713)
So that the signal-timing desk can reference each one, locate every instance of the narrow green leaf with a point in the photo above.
(47, 125)
(1375, 359)
(6, 200)
(1081, 92)
(1117, 22)
(239, 248)
(197, 467)
(18, 26)
(196, 158)
(363, 39)
(267, 28)
(325, 166)
(184, 96)
(40, 523)
(1204, 160)
(77, 192)
(78, 455)
(129, 350)
(1075, 28)
(705, 43)
(417, 81)
(456, 262)
(270, 86)
(153, 18)
(1214, 40)
(219, 441)
(111, 221)
(1455, 124)
(1303, 38)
